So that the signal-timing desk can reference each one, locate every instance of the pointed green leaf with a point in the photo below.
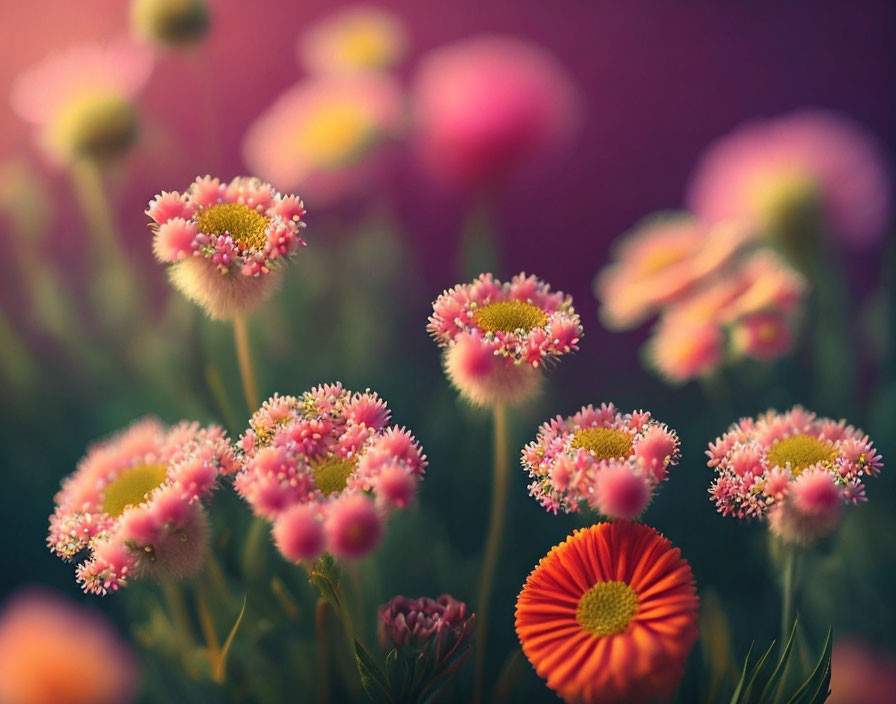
(372, 678)
(221, 663)
(774, 681)
(815, 689)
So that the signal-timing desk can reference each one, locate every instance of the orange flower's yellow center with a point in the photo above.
(800, 451)
(509, 316)
(607, 608)
(334, 134)
(132, 487)
(365, 45)
(246, 226)
(331, 474)
(603, 443)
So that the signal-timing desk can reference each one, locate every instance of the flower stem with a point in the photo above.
(320, 630)
(492, 545)
(787, 589)
(244, 356)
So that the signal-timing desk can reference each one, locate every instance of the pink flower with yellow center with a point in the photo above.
(773, 173)
(488, 106)
(225, 241)
(326, 468)
(662, 260)
(134, 507)
(353, 39)
(609, 460)
(497, 336)
(53, 651)
(752, 311)
(326, 134)
(81, 100)
(795, 469)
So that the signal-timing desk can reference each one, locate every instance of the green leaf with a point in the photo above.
(735, 698)
(816, 689)
(221, 661)
(372, 678)
(773, 683)
(757, 671)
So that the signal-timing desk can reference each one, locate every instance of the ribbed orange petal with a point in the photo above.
(644, 662)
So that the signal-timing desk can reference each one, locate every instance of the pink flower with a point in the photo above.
(326, 468)
(683, 348)
(81, 100)
(135, 504)
(763, 336)
(353, 39)
(353, 527)
(225, 242)
(794, 468)
(299, 533)
(53, 651)
(663, 259)
(497, 335)
(326, 134)
(609, 460)
(484, 107)
(770, 173)
(419, 623)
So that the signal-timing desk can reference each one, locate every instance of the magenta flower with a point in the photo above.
(487, 106)
(768, 173)
(498, 335)
(135, 504)
(225, 242)
(326, 468)
(609, 460)
(415, 623)
(795, 469)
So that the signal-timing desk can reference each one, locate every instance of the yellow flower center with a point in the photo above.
(170, 21)
(331, 474)
(364, 45)
(246, 226)
(607, 608)
(95, 125)
(333, 135)
(800, 451)
(132, 487)
(660, 258)
(509, 316)
(779, 198)
(603, 443)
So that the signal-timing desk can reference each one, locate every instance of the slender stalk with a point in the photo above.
(320, 630)
(177, 612)
(787, 589)
(244, 356)
(492, 545)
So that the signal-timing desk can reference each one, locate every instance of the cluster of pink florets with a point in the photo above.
(166, 532)
(290, 438)
(454, 316)
(565, 476)
(178, 235)
(801, 503)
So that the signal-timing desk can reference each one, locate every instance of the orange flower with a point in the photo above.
(609, 615)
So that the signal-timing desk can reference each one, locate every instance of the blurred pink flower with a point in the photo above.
(225, 242)
(610, 460)
(53, 651)
(81, 100)
(135, 504)
(419, 623)
(485, 106)
(353, 39)
(767, 172)
(764, 336)
(659, 262)
(325, 134)
(323, 468)
(683, 347)
(497, 335)
(794, 468)
(861, 673)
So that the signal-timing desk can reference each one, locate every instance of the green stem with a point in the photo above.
(320, 630)
(492, 545)
(787, 589)
(244, 357)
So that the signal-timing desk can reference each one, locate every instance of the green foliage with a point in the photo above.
(758, 685)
